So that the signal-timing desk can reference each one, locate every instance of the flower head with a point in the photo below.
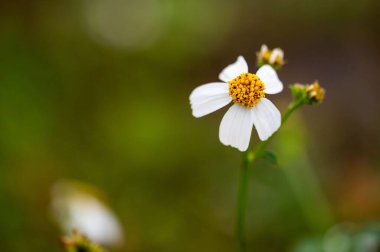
(310, 93)
(79, 206)
(315, 92)
(247, 91)
(274, 57)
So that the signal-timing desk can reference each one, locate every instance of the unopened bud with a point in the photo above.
(310, 93)
(315, 93)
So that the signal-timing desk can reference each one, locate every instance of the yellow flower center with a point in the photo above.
(246, 89)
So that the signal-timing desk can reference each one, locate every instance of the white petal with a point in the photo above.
(208, 98)
(272, 83)
(266, 118)
(277, 52)
(236, 127)
(234, 70)
(264, 49)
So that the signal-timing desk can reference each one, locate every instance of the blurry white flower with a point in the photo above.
(76, 206)
(247, 92)
(132, 24)
(274, 57)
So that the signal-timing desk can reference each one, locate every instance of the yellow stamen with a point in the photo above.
(247, 89)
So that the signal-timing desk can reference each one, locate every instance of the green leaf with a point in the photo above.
(270, 156)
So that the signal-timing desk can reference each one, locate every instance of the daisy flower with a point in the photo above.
(247, 91)
(77, 206)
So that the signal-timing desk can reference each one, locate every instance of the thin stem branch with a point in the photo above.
(291, 108)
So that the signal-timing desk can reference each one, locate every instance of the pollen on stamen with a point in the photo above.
(247, 89)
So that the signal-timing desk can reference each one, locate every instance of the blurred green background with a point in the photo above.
(97, 91)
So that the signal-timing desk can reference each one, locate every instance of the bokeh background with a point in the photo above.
(97, 91)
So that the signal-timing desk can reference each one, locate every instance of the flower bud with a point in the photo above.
(274, 58)
(310, 93)
(315, 93)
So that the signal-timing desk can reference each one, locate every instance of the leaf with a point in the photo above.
(270, 156)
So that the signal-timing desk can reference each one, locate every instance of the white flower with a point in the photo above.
(75, 206)
(273, 57)
(251, 108)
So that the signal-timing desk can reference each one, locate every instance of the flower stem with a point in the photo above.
(248, 158)
(291, 108)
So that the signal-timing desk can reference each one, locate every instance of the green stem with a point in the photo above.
(291, 108)
(248, 158)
